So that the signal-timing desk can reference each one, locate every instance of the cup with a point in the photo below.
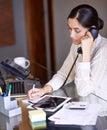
(22, 61)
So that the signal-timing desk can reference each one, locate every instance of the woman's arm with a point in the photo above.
(58, 79)
(90, 74)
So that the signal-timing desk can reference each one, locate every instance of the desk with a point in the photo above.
(21, 122)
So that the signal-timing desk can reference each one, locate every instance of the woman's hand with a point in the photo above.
(35, 93)
(87, 45)
(38, 92)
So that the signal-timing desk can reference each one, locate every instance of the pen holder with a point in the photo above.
(9, 106)
(7, 123)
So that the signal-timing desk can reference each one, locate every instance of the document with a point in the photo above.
(28, 101)
(83, 117)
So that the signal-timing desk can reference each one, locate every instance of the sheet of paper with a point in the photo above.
(28, 101)
(76, 117)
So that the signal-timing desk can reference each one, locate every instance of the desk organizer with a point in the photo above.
(9, 106)
(9, 123)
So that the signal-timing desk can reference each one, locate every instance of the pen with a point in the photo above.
(33, 87)
(1, 91)
(9, 89)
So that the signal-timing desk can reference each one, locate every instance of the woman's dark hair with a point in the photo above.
(87, 16)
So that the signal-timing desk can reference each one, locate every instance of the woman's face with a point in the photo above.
(77, 31)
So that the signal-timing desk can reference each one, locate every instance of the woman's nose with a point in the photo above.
(72, 34)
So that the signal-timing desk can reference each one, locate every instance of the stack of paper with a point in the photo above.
(82, 117)
(37, 119)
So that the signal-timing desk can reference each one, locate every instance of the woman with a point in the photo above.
(90, 71)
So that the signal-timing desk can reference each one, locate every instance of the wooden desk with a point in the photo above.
(24, 124)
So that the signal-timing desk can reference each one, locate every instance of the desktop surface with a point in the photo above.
(21, 122)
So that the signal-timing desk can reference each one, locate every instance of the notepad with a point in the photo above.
(37, 115)
(37, 119)
(38, 125)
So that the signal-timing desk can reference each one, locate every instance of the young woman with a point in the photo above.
(90, 71)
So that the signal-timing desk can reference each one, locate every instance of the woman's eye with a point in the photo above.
(77, 31)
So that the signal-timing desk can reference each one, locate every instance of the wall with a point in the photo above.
(61, 9)
(19, 48)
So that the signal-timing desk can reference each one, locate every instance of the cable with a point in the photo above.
(99, 97)
(79, 51)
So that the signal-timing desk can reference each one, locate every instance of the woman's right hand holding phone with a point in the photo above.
(87, 44)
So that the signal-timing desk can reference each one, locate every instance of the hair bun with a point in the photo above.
(100, 24)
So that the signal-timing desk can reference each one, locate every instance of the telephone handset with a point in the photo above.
(94, 32)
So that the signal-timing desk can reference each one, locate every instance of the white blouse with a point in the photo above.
(90, 77)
